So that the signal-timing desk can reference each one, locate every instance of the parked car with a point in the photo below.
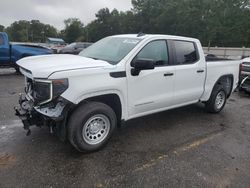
(10, 53)
(84, 98)
(74, 48)
(245, 75)
(56, 44)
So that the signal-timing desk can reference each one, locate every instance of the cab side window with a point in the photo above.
(185, 52)
(156, 51)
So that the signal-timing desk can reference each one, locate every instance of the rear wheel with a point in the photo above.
(91, 126)
(217, 99)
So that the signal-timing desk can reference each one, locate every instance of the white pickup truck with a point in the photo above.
(84, 98)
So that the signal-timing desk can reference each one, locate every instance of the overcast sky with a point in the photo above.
(55, 11)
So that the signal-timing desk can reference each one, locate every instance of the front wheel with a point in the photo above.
(217, 99)
(90, 126)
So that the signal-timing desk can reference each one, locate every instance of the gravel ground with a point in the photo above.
(185, 147)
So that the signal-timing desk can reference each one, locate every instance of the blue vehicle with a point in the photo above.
(11, 53)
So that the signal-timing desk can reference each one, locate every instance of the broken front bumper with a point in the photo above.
(25, 112)
(49, 114)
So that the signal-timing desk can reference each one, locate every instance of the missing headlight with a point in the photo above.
(42, 91)
(45, 91)
(59, 86)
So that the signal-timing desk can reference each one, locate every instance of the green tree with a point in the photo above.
(129, 22)
(39, 31)
(102, 26)
(110, 23)
(1, 28)
(30, 31)
(218, 22)
(214, 22)
(73, 30)
(49, 31)
(19, 31)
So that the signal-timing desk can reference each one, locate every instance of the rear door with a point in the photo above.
(4, 50)
(190, 72)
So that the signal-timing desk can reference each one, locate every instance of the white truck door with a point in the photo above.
(151, 89)
(190, 72)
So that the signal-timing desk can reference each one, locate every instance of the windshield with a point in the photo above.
(110, 49)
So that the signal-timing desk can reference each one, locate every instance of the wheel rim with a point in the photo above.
(220, 100)
(96, 129)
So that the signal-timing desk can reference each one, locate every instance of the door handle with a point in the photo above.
(169, 74)
(200, 71)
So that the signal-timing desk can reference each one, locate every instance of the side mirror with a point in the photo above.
(141, 64)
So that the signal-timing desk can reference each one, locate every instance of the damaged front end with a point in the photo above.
(26, 113)
(42, 104)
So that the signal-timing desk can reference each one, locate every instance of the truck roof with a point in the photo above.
(147, 36)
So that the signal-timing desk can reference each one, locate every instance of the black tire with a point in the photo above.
(77, 125)
(211, 105)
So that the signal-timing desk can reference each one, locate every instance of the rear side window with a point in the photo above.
(185, 52)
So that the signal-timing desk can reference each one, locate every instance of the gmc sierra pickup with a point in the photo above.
(84, 98)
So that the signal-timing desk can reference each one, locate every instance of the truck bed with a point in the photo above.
(217, 69)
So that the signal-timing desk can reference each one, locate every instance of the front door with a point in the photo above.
(151, 90)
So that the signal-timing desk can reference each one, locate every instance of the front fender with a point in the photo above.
(91, 94)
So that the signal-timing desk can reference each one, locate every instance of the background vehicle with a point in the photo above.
(83, 98)
(55, 44)
(10, 53)
(245, 75)
(74, 48)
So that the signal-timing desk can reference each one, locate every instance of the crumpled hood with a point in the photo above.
(44, 66)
